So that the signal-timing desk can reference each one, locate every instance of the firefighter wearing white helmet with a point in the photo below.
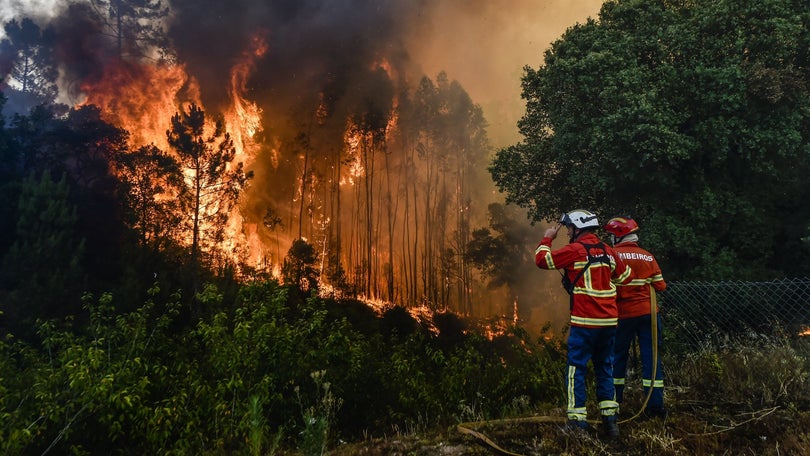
(635, 302)
(591, 270)
(579, 220)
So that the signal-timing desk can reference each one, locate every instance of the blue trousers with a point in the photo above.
(595, 345)
(640, 328)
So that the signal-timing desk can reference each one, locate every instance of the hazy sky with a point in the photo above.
(486, 48)
(483, 44)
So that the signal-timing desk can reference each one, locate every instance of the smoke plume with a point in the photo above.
(314, 63)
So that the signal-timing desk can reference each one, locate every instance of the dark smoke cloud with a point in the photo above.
(314, 45)
(81, 47)
(321, 44)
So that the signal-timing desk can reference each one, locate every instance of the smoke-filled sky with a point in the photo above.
(483, 44)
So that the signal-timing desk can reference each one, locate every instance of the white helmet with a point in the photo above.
(580, 219)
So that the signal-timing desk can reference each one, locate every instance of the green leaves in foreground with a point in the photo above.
(268, 371)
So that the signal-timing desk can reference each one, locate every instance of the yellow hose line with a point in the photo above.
(485, 439)
(467, 428)
(654, 330)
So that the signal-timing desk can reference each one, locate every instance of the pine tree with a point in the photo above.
(42, 271)
(213, 182)
(134, 25)
(33, 70)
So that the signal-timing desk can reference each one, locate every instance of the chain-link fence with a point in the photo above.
(696, 314)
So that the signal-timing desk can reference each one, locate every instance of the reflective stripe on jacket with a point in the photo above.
(634, 298)
(594, 293)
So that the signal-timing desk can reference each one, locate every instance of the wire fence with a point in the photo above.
(700, 314)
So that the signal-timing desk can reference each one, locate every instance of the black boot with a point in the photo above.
(610, 426)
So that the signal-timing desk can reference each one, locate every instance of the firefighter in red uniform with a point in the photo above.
(591, 269)
(635, 316)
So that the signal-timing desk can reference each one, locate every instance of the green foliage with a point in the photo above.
(258, 433)
(33, 71)
(233, 382)
(299, 268)
(145, 174)
(270, 373)
(89, 391)
(691, 116)
(318, 417)
(18, 420)
(42, 269)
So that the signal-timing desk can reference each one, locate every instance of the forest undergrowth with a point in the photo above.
(275, 372)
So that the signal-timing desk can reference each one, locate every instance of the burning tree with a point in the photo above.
(212, 182)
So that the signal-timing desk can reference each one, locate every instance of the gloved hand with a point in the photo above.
(552, 232)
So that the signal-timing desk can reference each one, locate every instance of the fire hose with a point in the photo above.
(468, 427)
(654, 337)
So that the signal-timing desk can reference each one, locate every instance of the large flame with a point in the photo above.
(142, 98)
(243, 118)
(352, 139)
(243, 121)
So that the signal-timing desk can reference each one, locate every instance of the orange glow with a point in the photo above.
(141, 99)
(352, 140)
(243, 118)
(421, 313)
(805, 332)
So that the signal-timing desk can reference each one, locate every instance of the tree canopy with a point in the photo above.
(134, 25)
(29, 59)
(691, 116)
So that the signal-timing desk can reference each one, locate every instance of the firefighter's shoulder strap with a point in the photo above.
(599, 258)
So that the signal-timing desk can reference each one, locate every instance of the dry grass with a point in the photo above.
(740, 399)
(773, 432)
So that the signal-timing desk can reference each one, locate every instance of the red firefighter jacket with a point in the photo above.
(634, 298)
(594, 293)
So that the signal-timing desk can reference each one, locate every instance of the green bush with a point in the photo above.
(269, 370)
